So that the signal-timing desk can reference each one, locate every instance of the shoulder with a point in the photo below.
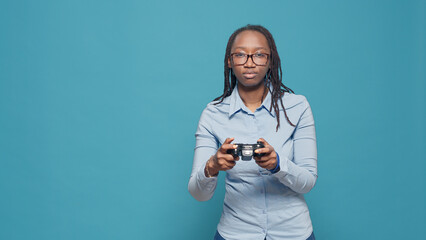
(297, 107)
(291, 100)
(217, 107)
(214, 112)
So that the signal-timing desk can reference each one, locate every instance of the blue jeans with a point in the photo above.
(218, 237)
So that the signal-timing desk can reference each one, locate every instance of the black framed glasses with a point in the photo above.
(260, 59)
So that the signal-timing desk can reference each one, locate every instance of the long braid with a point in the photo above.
(230, 79)
(273, 77)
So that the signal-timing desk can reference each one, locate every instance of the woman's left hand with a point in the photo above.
(269, 160)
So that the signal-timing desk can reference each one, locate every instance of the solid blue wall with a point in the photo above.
(100, 100)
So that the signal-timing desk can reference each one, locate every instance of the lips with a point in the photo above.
(250, 75)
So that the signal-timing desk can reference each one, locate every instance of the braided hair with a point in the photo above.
(273, 76)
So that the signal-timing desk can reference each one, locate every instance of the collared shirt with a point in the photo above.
(259, 204)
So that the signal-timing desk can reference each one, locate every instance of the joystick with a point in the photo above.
(246, 151)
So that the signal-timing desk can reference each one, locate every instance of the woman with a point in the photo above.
(264, 197)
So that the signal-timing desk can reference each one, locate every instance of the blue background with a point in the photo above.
(100, 100)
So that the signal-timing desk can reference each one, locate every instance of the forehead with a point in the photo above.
(250, 40)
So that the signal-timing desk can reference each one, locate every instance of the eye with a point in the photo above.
(240, 55)
(260, 55)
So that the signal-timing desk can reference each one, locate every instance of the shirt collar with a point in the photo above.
(236, 103)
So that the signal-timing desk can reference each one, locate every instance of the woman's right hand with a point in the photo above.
(221, 161)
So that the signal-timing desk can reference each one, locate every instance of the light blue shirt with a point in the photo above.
(259, 204)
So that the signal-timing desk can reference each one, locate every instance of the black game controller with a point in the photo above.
(246, 151)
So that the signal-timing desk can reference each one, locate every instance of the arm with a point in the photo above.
(208, 160)
(200, 186)
(300, 174)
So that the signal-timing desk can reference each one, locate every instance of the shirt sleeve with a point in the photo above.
(300, 172)
(201, 187)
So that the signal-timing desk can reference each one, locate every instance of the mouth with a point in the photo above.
(250, 75)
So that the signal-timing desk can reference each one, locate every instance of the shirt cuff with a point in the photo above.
(283, 169)
(277, 168)
(205, 182)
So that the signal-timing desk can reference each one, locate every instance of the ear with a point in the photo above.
(229, 63)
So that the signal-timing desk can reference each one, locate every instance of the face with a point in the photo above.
(250, 42)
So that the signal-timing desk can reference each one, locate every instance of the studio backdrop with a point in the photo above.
(100, 100)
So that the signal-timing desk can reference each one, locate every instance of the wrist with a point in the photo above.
(277, 167)
(209, 169)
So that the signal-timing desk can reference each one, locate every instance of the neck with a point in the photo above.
(252, 97)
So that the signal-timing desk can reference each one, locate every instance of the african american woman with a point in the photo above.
(264, 193)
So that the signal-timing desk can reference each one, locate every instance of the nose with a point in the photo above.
(249, 62)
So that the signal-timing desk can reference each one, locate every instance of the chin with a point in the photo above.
(251, 83)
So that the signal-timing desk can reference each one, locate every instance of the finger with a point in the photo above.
(260, 160)
(263, 158)
(267, 164)
(262, 164)
(228, 146)
(234, 158)
(223, 168)
(231, 164)
(226, 165)
(266, 158)
(227, 157)
(231, 157)
(266, 150)
(263, 141)
(228, 140)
